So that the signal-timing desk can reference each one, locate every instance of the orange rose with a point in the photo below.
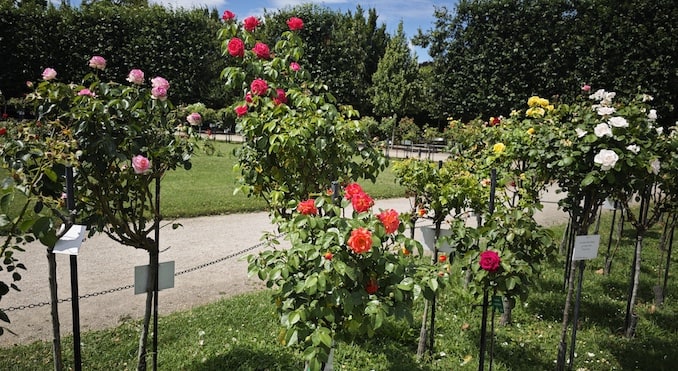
(389, 218)
(360, 241)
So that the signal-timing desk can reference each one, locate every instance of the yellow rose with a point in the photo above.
(530, 131)
(533, 101)
(550, 107)
(499, 148)
(543, 102)
(535, 112)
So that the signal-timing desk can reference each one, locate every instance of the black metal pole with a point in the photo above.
(492, 334)
(157, 268)
(483, 325)
(668, 256)
(75, 299)
(575, 316)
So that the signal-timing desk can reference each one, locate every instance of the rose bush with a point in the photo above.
(292, 125)
(343, 276)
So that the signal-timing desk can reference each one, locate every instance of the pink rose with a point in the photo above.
(586, 88)
(489, 260)
(261, 50)
(236, 47)
(194, 119)
(136, 77)
(140, 164)
(86, 92)
(259, 87)
(159, 82)
(48, 74)
(295, 24)
(294, 66)
(280, 97)
(250, 23)
(248, 97)
(159, 93)
(97, 62)
(241, 110)
(228, 16)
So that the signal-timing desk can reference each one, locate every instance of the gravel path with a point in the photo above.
(104, 265)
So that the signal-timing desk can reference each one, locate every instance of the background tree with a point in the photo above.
(395, 84)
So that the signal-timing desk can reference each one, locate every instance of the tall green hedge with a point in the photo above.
(179, 45)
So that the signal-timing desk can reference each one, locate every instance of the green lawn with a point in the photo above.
(207, 189)
(240, 333)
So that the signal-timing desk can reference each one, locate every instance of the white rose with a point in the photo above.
(633, 148)
(580, 132)
(602, 130)
(660, 130)
(654, 166)
(604, 111)
(652, 115)
(618, 122)
(606, 158)
(598, 95)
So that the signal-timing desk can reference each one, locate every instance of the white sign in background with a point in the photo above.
(165, 277)
(586, 247)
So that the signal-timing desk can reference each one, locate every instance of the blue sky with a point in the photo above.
(414, 13)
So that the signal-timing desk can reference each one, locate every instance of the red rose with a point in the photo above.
(259, 87)
(352, 190)
(489, 260)
(442, 258)
(248, 97)
(236, 47)
(295, 24)
(241, 110)
(250, 23)
(328, 255)
(389, 218)
(360, 241)
(261, 50)
(228, 15)
(362, 202)
(3, 131)
(307, 207)
(372, 286)
(280, 97)
(5, 115)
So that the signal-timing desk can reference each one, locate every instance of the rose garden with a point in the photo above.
(347, 284)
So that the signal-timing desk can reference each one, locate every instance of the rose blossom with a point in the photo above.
(86, 92)
(307, 207)
(618, 122)
(259, 87)
(499, 148)
(604, 111)
(194, 119)
(228, 16)
(389, 218)
(97, 62)
(262, 51)
(655, 165)
(659, 130)
(159, 82)
(48, 74)
(580, 132)
(280, 97)
(362, 202)
(602, 130)
(294, 66)
(442, 258)
(489, 261)
(650, 116)
(295, 24)
(241, 110)
(140, 164)
(360, 241)
(586, 88)
(136, 76)
(352, 190)
(236, 47)
(633, 148)
(328, 255)
(3, 131)
(606, 158)
(372, 286)
(159, 93)
(250, 23)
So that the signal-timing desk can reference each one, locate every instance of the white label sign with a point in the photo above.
(165, 277)
(69, 243)
(586, 247)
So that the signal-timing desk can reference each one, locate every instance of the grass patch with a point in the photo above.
(207, 189)
(241, 333)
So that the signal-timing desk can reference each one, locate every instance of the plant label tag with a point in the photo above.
(69, 243)
(165, 277)
(586, 247)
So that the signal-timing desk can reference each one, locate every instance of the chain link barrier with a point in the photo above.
(121, 288)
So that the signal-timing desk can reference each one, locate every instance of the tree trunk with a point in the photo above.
(56, 340)
(150, 284)
(506, 317)
(631, 317)
(562, 346)
(421, 348)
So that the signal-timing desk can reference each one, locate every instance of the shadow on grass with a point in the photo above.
(649, 352)
(243, 358)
